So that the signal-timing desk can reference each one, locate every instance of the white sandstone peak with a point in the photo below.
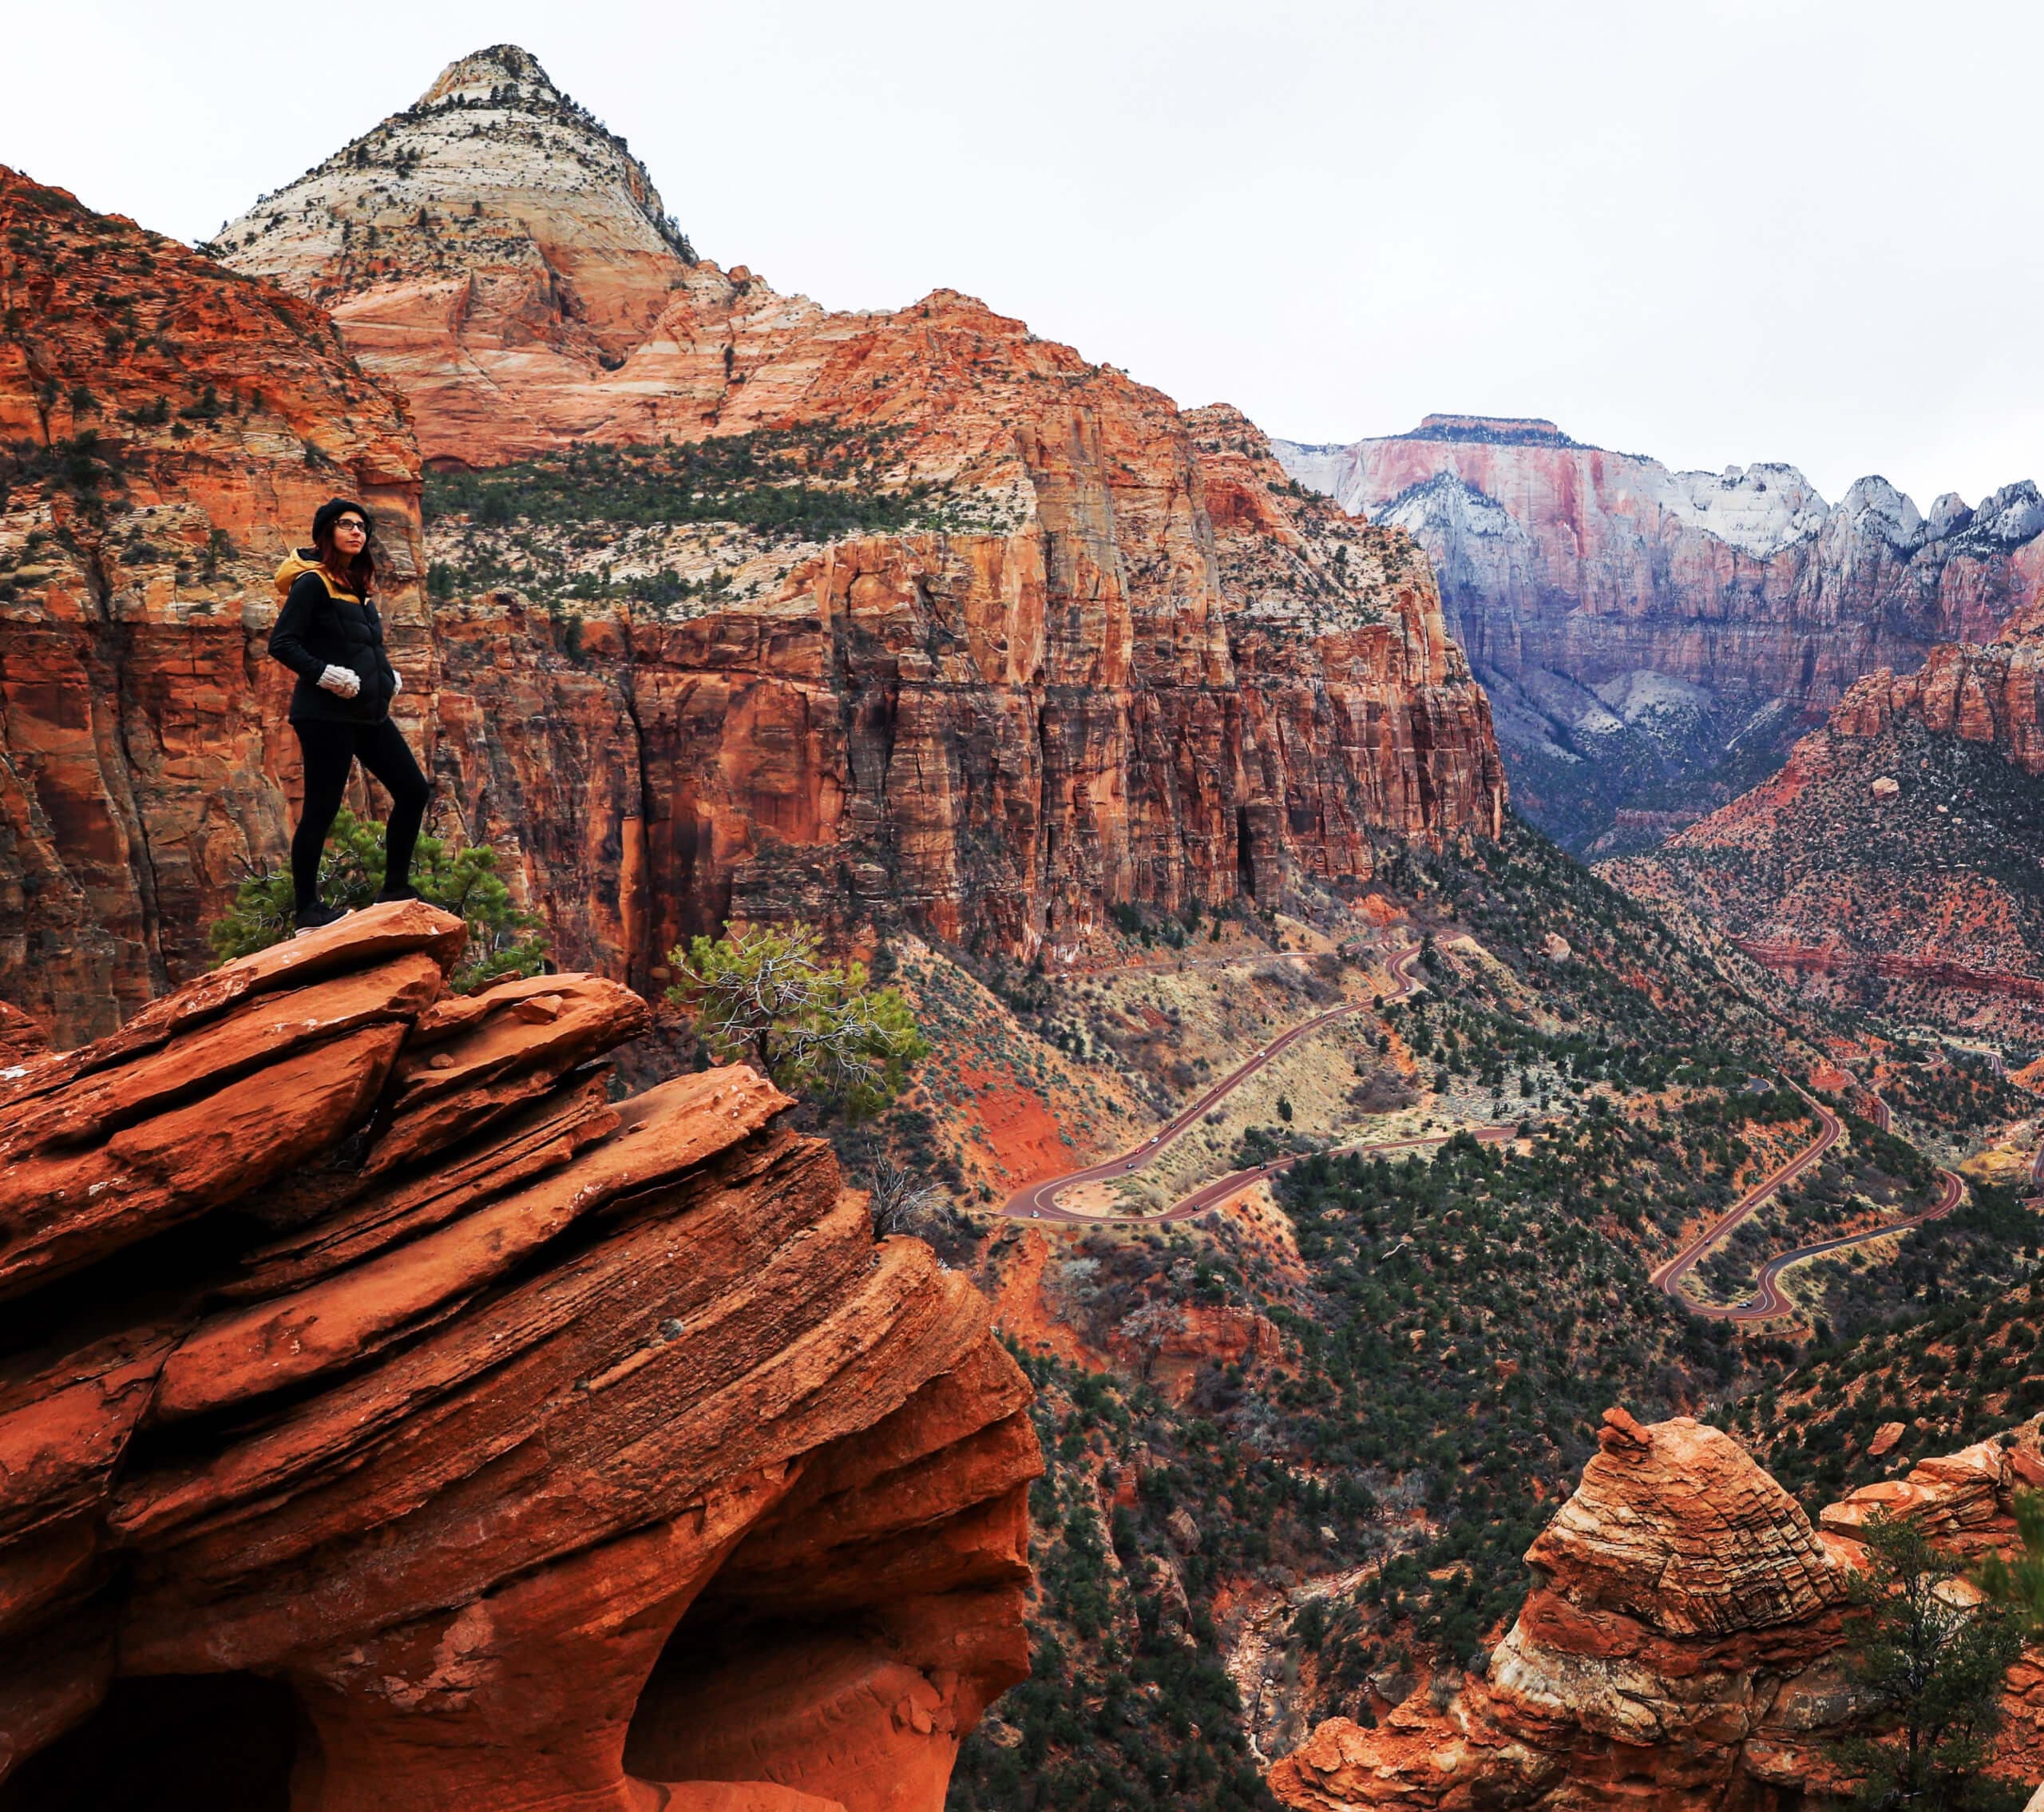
(1760, 508)
(484, 75)
(1873, 503)
(493, 170)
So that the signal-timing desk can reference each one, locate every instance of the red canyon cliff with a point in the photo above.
(1637, 626)
(384, 1411)
(1680, 1645)
(1094, 651)
(165, 427)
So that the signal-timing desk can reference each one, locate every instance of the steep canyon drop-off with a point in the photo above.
(1124, 659)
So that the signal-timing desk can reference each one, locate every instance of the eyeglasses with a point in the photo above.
(350, 522)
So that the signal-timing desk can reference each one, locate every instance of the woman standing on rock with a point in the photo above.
(330, 635)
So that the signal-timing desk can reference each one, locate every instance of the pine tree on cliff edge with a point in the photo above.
(1925, 1664)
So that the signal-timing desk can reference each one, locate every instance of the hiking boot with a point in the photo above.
(403, 891)
(311, 918)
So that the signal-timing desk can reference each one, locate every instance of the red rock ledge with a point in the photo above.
(383, 1406)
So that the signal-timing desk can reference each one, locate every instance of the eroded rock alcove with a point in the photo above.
(378, 1389)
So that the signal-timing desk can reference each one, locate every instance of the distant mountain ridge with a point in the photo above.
(1653, 639)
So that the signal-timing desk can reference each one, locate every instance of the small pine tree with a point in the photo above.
(1927, 1668)
(2018, 1584)
(504, 938)
(764, 993)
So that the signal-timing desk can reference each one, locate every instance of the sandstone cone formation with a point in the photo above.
(1679, 1647)
(493, 210)
(384, 1407)
(1118, 658)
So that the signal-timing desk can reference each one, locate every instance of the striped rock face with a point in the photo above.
(1634, 623)
(1046, 645)
(382, 1402)
(1680, 1645)
(1878, 864)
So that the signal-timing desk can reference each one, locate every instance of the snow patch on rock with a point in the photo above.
(1759, 510)
(1645, 693)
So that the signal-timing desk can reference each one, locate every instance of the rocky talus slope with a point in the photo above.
(1637, 626)
(1680, 1645)
(387, 1412)
(1062, 647)
(1887, 863)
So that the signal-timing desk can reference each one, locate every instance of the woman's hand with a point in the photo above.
(344, 681)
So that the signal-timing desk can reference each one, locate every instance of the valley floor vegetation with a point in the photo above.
(1441, 1338)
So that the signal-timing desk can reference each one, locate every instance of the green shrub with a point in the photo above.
(504, 938)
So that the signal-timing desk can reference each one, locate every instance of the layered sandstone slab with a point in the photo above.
(1679, 1647)
(491, 1430)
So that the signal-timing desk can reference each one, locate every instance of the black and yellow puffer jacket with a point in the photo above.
(322, 626)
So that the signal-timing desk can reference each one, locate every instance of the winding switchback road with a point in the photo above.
(1038, 1201)
(1769, 1299)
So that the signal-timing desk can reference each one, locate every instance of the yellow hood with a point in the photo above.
(300, 560)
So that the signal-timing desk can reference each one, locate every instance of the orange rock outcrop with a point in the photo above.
(1679, 1647)
(1990, 692)
(382, 1404)
(1154, 672)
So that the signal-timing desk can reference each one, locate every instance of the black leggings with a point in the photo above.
(329, 750)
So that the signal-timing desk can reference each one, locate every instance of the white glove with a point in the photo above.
(343, 680)
(397, 682)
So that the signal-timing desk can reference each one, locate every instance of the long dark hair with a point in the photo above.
(360, 572)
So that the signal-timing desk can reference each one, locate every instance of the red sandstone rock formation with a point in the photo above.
(365, 1365)
(1678, 1648)
(1991, 694)
(1591, 563)
(495, 217)
(1883, 851)
(166, 428)
(1156, 672)
(1155, 681)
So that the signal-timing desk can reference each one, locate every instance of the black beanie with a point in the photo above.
(331, 511)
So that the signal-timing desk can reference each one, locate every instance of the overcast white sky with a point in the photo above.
(1716, 232)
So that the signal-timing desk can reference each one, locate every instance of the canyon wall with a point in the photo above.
(1635, 623)
(166, 430)
(388, 1416)
(1884, 866)
(1681, 1647)
(1133, 664)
